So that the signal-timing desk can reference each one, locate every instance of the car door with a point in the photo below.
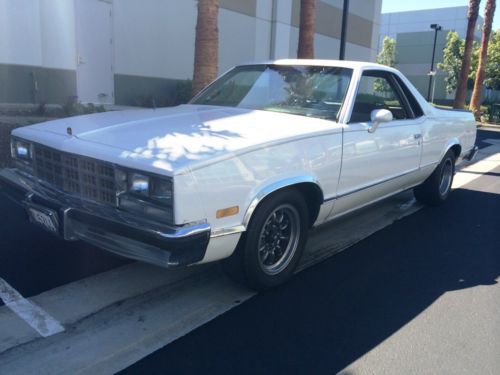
(376, 164)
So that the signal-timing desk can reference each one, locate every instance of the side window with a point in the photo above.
(417, 110)
(376, 91)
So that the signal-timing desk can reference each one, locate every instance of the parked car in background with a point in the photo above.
(244, 170)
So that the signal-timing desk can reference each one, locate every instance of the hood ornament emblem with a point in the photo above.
(69, 131)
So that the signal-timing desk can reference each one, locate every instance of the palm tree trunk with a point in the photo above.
(475, 102)
(466, 62)
(307, 29)
(206, 47)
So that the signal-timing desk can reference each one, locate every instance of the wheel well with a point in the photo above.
(314, 199)
(457, 150)
(312, 195)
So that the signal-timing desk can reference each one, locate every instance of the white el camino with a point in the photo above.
(244, 170)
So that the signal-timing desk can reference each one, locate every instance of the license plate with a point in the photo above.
(45, 218)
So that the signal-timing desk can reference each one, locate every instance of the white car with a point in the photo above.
(243, 171)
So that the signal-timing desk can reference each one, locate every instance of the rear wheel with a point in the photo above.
(437, 187)
(273, 243)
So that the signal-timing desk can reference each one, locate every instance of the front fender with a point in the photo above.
(267, 189)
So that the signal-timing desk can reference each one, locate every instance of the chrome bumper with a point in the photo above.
(109, 228)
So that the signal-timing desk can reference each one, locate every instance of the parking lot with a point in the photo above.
(416, 292)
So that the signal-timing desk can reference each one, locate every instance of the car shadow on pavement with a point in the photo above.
(333, 313)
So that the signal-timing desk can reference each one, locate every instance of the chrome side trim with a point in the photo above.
(334, 217)
(374, 184)
(433, 164)
(272, 188)
(227, 231)
(452, 142)
(186, 231)
(330, 199)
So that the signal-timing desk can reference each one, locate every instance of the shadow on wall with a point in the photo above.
(151, 92)
(28, 84)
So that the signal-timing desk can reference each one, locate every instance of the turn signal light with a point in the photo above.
(230, 211)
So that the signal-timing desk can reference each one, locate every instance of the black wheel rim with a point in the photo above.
(279, 239)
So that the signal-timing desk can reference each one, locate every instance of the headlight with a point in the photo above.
(161, 191)
(21, 149)
(138, 184)
(151, 196)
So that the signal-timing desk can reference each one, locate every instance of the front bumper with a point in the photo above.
(109, 228)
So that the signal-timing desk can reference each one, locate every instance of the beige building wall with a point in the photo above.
(152, 43)
(155, 38)
(37, 51)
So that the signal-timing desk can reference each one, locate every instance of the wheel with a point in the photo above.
(273, 243)
(437, 187)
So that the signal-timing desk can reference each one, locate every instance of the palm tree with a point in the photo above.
(206, 47)
(307, 29)
(475, 102)
(466, 62)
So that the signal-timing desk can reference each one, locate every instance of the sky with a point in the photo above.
(403, 5)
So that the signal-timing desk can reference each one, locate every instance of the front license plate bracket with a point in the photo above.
(44, 218)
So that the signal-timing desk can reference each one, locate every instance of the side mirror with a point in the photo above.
(378, 116)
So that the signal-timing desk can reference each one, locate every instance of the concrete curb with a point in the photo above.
(488, 126)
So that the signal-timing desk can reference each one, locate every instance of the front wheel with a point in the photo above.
(437, 187)
(273, 243)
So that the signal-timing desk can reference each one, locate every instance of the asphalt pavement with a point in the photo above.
(420, 296)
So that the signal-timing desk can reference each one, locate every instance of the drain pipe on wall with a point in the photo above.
(35, 88)
(345, 16)
(272, 44)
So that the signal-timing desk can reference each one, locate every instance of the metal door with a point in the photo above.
(380, 162)
(94, 28)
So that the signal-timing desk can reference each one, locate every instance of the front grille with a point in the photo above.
(74, 174)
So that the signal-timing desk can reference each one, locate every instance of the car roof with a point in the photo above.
(320, 62)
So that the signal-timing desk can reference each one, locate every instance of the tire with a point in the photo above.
(437, 187)
(272, 246)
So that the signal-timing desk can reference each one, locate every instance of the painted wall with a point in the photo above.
(153, 43)
(37, 51)
(362, 29)
(154, 39)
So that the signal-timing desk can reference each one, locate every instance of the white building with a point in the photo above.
(124, 51)
(415, 39)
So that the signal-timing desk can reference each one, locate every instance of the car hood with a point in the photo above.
(171, 139)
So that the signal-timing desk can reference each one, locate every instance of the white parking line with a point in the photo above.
(487, 159)
(32, 314)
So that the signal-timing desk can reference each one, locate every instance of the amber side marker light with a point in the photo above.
(230, 211)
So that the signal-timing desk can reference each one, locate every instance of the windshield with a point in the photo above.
(314, 91)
